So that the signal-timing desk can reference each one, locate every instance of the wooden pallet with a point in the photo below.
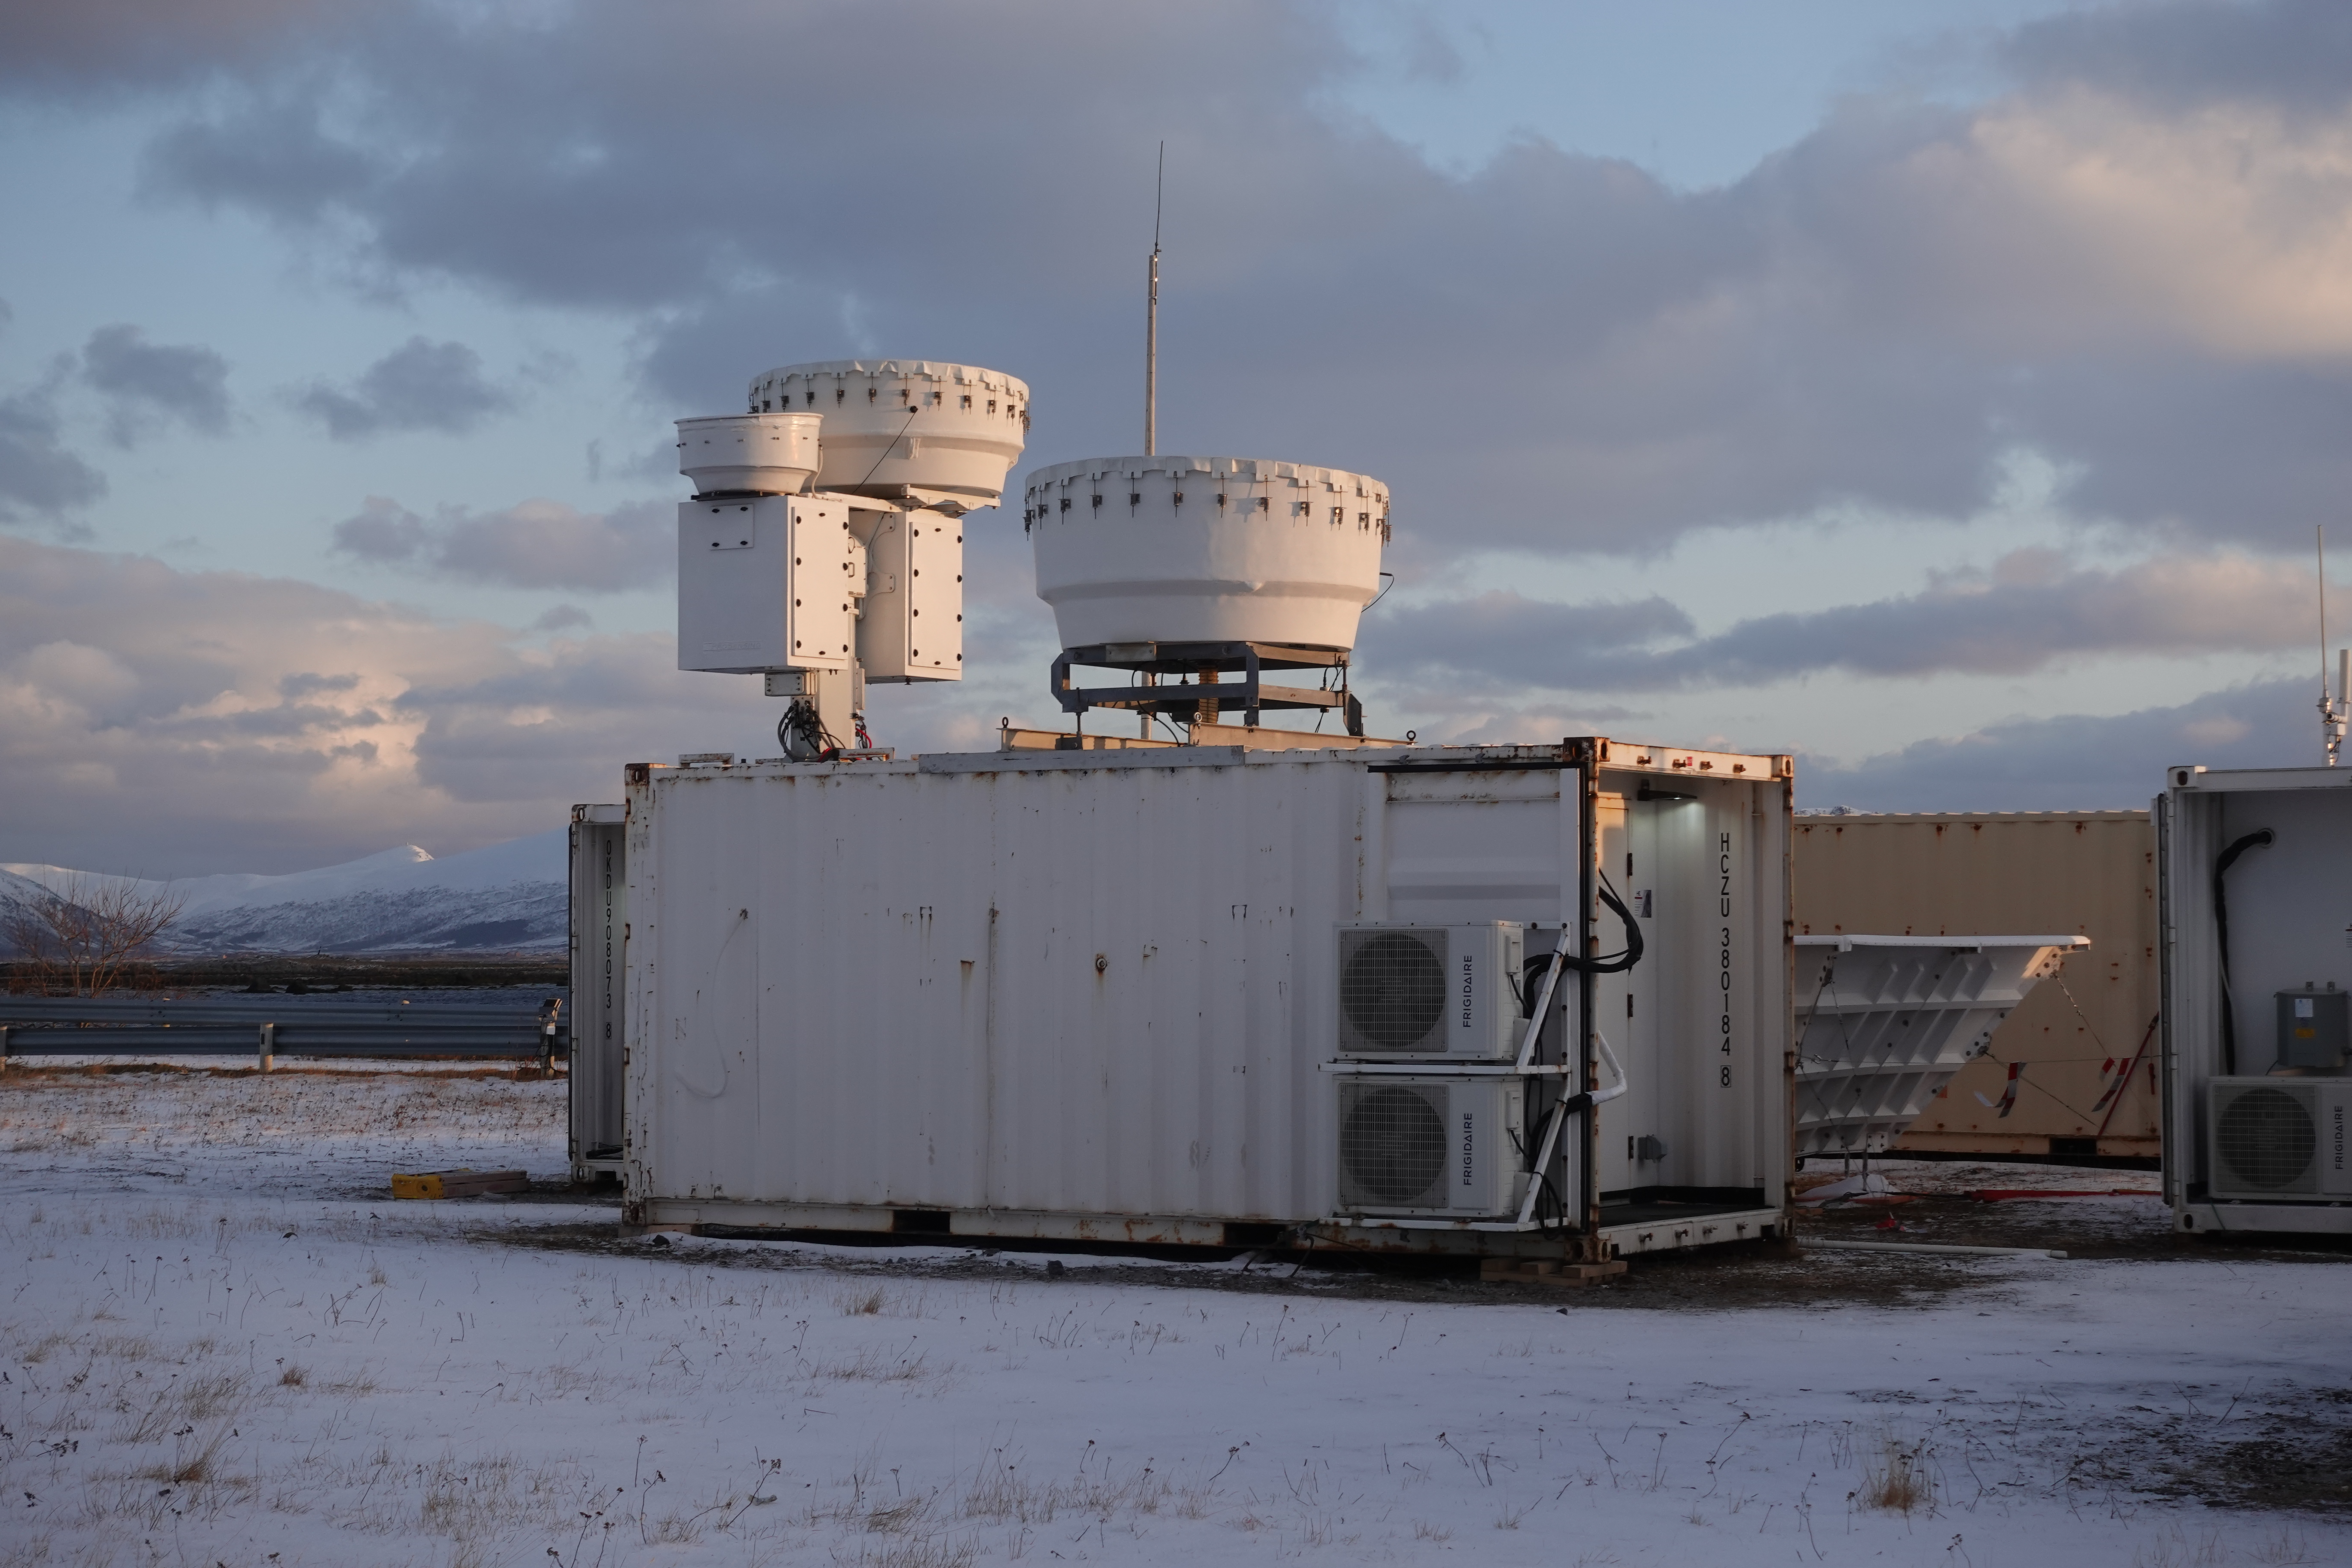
(463, 1183)
(1561, 1276)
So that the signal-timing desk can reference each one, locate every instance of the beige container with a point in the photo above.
(2092, 873)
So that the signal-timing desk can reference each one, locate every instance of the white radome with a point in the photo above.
(893, 425)
(1163, 549)
(749, 454)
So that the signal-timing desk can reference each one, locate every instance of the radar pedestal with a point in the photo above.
(1187, 682)
(824, 546)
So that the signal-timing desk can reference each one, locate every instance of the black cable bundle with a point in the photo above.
(800, 728)
(2228, 859)
(1533, 969)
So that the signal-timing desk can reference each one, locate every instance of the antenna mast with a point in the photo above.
(1152, 321)
(2334, 705)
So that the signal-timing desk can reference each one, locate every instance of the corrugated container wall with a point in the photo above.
(1095, 994)
(2074, 1070)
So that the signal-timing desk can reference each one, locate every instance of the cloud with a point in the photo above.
(2184, 53)
(538, 544)
(419, 386)
(38, 476)
(2148, 285)
(143, 379)
(173, 722)
(2078, 762)
(2030, 612)
(96, 45)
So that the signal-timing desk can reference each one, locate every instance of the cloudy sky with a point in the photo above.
(1946, 392)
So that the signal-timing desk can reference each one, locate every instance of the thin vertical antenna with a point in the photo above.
(2332, 704)
(1151, 319)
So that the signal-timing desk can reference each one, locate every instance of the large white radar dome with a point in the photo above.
(1198, 550)
(897, 428)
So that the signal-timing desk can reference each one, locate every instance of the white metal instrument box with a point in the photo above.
(765, 582)
(912, 624)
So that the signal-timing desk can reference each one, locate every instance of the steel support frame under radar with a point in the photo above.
(1203, 701)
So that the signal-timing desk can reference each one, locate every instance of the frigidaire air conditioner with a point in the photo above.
(1411, 992)
(1449, 1148)
(2278, 1138)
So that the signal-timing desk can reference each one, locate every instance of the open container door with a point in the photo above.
(600, 891)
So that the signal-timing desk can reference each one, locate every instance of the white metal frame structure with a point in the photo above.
(1884, 1022)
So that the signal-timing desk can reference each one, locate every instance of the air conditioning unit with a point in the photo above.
(1444, 1147)
(2278, 1138)
(1444, 993)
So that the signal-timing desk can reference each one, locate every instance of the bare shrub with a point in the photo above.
(292, 1377)
(83, 935)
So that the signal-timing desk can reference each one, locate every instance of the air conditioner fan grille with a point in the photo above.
(2266, 1138)
(1393, 1145)
(1392, 989)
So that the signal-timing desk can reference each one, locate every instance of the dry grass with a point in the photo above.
(1897, 1479)
(1001, 1494)
(183, 1403)
(920, 1551)
(873, 1365)
(863, 1299)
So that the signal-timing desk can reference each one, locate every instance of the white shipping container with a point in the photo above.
(1095, 994)
(2254, 1101)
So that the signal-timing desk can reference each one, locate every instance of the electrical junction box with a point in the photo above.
(2315, 1027)
(1423, 993)
(766, 582)
(1432, 1146)
(911, 625)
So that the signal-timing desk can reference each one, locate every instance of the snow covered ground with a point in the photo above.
(223, 1345)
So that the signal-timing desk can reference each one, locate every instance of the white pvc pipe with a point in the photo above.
(1623, 1083)
(1543, 1005)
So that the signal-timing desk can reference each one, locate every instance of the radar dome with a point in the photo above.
(1200, 550)
(903, 428)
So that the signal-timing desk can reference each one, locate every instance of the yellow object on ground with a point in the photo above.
(461, 1184)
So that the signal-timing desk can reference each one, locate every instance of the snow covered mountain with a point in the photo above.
(19, 896)
(506, 897)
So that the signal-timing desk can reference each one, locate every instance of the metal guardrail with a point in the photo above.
(270, 1026)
